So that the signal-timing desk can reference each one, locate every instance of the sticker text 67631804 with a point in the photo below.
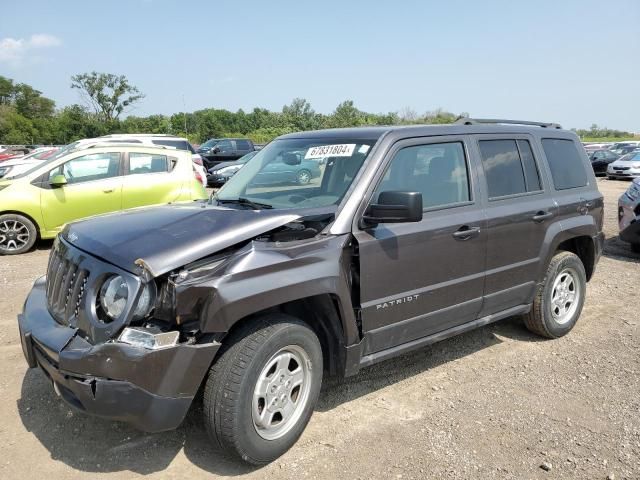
(342, 150)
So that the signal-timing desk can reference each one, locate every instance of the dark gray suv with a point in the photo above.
(409, 235)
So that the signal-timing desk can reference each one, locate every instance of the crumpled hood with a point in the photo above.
(170, 236)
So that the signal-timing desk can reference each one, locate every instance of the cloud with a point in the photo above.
(15, 50)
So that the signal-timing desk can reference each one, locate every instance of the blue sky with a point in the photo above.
(573, 62)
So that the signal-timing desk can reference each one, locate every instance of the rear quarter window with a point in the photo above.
(565, 163)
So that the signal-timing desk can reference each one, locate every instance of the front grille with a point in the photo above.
(66, 286)
(621, 168)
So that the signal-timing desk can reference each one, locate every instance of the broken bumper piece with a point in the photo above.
(150, 389)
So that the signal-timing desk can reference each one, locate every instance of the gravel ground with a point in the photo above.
(494, 403)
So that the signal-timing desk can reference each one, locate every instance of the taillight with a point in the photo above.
(198, 176)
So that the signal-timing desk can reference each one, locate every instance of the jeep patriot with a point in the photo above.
(408, 236)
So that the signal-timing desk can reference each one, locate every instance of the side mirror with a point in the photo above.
(394, 207)
(58, 181)
(216, 150)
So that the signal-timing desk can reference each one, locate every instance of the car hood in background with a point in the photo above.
(624, 163)
(170, 236)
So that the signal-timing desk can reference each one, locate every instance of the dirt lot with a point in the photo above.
(494, 403)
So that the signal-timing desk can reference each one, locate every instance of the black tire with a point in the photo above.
(635, 247)
(610, 177)
(303, 177)
(543, 319)
(18, 234)
(232, 381)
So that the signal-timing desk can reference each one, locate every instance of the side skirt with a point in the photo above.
(373, 358)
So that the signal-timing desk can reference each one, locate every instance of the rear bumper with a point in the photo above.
(150, 389)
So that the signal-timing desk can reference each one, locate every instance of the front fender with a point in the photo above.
(264, 275)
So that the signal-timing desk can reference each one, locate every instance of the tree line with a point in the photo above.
(27, 117)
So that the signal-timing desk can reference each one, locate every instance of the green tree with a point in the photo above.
(15, 128)
(108, 94)
(30, 103)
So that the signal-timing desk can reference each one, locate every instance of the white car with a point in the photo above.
(178, 143)
(629, 215)
(627, 166)
(16, 166)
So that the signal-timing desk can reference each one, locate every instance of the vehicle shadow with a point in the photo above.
(336, 391)
(96, 445)
(619, 250)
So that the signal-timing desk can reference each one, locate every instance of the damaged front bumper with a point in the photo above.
(150, 389)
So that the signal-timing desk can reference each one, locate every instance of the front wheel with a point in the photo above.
(559, 298)
(17, 234)
(262, 389)
(635, 247)
(303, 177)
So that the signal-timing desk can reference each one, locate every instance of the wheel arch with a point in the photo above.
(27, 216)
(322, 314)
(577, 235)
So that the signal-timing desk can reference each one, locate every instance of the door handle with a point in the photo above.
(465, 232)
(109, 190)
(541, 216)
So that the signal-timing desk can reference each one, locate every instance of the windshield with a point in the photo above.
(297, 173)
(209, 143)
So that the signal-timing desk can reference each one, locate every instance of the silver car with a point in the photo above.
(629, 215)
(627, 166)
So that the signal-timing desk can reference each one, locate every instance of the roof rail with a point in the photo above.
(476, 121)
(124, 143)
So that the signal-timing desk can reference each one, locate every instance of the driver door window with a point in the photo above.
(95, 166)
(438, 171)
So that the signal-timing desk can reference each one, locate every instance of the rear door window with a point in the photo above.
(509, 166)
(147, 163)
(243, 145)
(565, 163)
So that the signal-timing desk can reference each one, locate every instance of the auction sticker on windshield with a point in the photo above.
(342, 150)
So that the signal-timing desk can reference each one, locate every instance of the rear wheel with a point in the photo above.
(262, 389)
(560, 297)
(17, 234)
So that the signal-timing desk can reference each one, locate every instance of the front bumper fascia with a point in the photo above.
(150, 389)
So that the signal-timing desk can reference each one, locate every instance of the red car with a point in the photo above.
(12, 153)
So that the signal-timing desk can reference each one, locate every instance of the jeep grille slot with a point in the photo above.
(65, 287)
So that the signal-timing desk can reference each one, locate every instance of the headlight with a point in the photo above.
(633, 192)
(146, 301)
(114, 294)
(4, 171)
(230, 170)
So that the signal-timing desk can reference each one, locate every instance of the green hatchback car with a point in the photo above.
(93, 180)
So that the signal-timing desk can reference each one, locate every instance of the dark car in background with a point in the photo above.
(222, 172)
(600, 160)
(217, 150)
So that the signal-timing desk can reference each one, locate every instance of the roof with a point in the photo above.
(374, 133)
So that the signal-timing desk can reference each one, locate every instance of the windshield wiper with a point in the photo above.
(247, 202)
